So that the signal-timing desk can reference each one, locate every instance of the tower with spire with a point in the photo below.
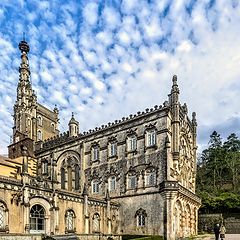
(32, 121)
(73, 127)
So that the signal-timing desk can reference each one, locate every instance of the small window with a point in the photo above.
(132, 182)
(112, 183)
(151, 179)
(95, 153)
(53, 127)
(39, 135)
(132, 143)
(95, 187)
(45, 167)
(141, 220)
(113, 149)
(40, 121)
(141, 217)
(151, 138)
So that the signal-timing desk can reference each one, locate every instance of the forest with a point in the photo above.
(218, 175)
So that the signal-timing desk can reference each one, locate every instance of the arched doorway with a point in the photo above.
(37, 219)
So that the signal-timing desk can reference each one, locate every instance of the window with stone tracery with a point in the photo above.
(37, 219)
(141, 216)
(70, 174)
(70, 216)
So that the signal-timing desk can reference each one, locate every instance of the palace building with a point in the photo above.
(134, 176)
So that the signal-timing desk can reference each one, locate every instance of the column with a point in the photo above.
(169, 232)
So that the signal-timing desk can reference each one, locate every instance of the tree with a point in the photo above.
(232, 149)
(218, 175)
(215, 159)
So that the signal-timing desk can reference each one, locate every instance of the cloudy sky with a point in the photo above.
(106, 59)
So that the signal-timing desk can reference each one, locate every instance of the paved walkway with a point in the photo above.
(227, 237)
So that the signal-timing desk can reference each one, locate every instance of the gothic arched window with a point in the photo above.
(40, 121)
(37, 219)
(62, 178)
(39, 135)
(77, 177)
(141, 217)
(69, 217)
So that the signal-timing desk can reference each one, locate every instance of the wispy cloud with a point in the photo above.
(105, 60)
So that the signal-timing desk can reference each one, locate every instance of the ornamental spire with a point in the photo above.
(24, 91)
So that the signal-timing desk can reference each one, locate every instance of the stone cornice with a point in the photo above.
(64, 137)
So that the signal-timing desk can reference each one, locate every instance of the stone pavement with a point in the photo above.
(227, 237)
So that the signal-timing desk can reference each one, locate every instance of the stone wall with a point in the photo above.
(19, 237)
(232, 225)
(152, 204)
(207, 221)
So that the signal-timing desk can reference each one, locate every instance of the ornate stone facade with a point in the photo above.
(133, 176)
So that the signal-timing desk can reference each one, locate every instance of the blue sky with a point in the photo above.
(107, 59)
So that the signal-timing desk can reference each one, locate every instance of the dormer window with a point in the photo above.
(151, 138)
(132, 143)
